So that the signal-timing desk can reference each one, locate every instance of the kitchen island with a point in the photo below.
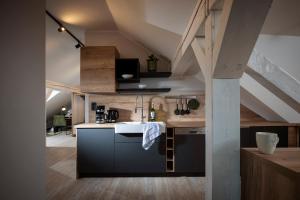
(272, 177)
(102, 152)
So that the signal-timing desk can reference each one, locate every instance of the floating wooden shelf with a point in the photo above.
(146, 90)
(155, 74)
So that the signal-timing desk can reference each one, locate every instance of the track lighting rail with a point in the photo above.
(63, 28)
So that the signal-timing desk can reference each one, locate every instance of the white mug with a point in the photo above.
(266, 142)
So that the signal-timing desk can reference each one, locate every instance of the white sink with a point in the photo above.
(136, 127)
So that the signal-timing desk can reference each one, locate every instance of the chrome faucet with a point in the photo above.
(140, 107)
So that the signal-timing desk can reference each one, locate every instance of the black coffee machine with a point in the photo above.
(100, 115)
(112, 116)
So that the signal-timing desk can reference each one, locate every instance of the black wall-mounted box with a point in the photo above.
(128, 66)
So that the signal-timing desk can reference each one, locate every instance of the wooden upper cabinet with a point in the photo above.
(97, 69)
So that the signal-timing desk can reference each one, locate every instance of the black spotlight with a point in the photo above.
(61, 29)
(78, 46)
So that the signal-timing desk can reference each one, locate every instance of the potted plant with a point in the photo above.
(152, 63)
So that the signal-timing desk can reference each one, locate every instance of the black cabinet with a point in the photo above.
(128, 66)
(131, 158)
(248, 135)
(101, 152)
(190, 154)
(95, 151)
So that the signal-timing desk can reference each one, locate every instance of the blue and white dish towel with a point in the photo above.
(151, 130)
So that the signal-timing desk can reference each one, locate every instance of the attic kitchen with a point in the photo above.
(122, 109)
(113, 140)
(159, 109)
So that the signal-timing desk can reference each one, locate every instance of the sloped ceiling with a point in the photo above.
(283, 18)
(156, 24)
(88, 15)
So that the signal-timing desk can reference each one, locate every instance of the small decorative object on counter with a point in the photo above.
(112, 116)
(152, 113)
(266, 142)
(161, 115)
(152, 63)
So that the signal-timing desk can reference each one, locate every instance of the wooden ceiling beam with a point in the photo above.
(181, 65)
(196, 21)
(240, 25)
(200, 56)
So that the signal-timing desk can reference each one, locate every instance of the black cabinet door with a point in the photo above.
(130, 157)
(95, 151)
(190, 153)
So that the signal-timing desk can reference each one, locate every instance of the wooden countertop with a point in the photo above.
(190, 124)
(170, 124)
(245, 124)
(284, 159)
(94, 125)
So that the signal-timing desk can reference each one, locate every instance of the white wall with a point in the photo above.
(157, 13)
(62, 58)
(283, 51)
(22, 101)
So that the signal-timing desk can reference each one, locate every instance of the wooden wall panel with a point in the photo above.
(293, 136)
(97, 69)
(77, 109)
(126, 106)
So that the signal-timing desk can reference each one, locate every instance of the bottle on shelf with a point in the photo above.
(152, 113)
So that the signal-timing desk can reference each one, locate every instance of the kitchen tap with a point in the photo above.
(140, 107)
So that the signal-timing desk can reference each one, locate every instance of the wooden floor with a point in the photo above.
(61, 140)
(61, 183)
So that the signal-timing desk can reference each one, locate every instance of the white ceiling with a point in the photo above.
(89, 15)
